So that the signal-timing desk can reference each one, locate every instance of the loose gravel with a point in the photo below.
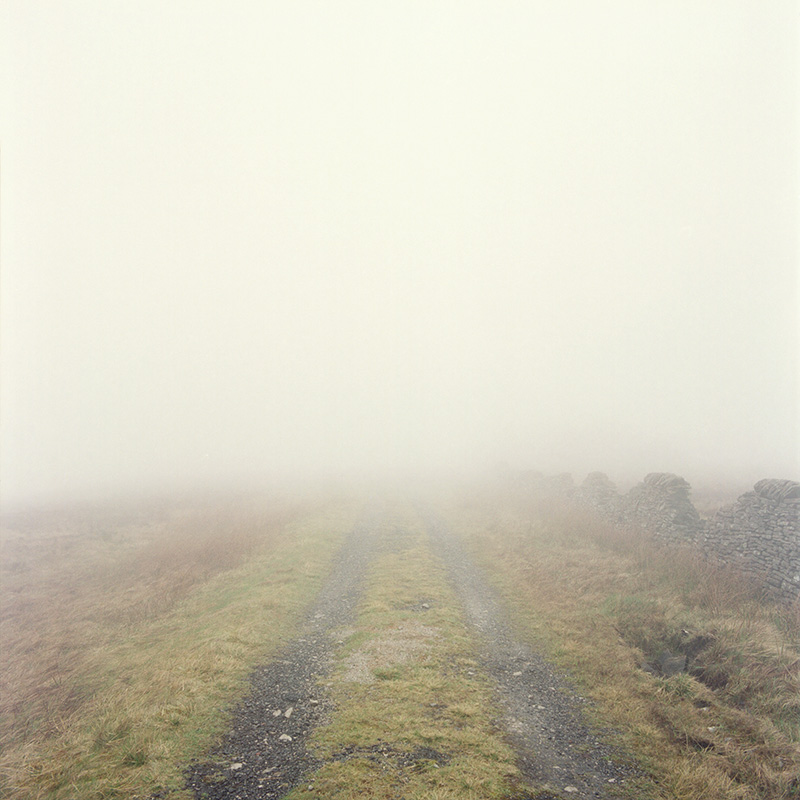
(541, 711)
(264, 755)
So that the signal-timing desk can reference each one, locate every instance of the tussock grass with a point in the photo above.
(123, 641)
(608, 601)
(413, 716)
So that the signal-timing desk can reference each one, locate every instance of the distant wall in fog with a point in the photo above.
(760, 532)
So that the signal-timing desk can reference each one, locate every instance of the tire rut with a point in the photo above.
(264, 754)
(542, 712)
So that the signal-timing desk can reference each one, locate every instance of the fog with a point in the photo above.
(304, 240)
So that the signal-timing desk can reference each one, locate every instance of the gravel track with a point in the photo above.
(542, 712)
(264, 755)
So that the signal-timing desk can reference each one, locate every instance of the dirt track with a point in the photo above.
(253, 761)
(265, 753)
(542, 713)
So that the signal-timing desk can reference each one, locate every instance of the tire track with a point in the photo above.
(264, 754)
(542, 713)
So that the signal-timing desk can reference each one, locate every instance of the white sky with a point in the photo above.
(306, 238)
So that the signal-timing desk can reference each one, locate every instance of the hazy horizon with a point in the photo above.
(309, 241)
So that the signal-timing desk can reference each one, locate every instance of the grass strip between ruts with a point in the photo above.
(413, 714)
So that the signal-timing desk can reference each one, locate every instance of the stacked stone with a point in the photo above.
(561, 486)
(778, 490)
(600, 494)
(661, 505)
(761, 533)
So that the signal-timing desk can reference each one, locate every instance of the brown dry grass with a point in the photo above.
(63, 591)
(608, 600)
(122, 635)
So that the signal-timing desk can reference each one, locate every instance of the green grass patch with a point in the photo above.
(413, 717)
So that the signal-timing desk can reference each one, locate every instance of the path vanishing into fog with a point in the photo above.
(265, 754)
(283, 736)
(542, 713)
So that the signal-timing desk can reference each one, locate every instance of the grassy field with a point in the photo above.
(606, 602)
(126, 632)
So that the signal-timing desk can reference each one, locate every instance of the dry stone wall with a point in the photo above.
(760, 532)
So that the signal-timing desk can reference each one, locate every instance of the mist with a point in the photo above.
(262, 242)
